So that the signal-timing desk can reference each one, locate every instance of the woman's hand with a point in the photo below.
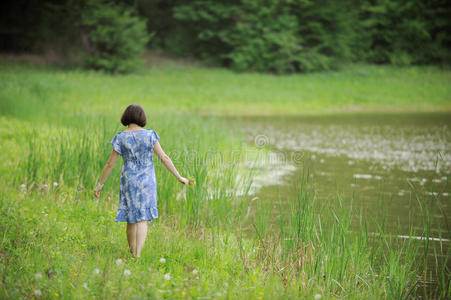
(184, 180)
(97, 192)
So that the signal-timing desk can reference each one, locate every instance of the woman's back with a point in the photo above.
(135, 147)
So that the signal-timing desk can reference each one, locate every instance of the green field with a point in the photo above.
(195, 89)
(58, 241)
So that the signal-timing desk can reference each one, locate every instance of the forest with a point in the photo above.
(276, 36)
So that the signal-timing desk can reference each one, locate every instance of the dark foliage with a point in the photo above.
(278, 36)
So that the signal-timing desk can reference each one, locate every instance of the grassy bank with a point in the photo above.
(58, 241)
(195, 89)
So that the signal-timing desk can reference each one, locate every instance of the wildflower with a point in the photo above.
(318, 296)
(37, 292)
(162, 260)
(192, 182)
(194, 271)
(46, 215)
(118, 261)
(102, 218)
(38, 275)
(85, 285)
(127, 272)
(96, 271)
(56, 294)
(23, 186)
(167, 276)
(55, 184)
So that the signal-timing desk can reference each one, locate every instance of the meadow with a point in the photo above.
(212, 241)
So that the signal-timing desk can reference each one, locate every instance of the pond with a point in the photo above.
(383, 164)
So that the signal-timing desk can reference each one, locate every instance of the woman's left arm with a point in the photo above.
(106, 172)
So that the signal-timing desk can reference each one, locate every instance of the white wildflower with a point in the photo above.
(23, 186)
(102, 218)
(118, 261)
(167, 276)
(55, 183)
(194, 271)
(127, 272)
(162, 260)
(96, 271)
(85, 285)
(38, 275)
(37, 292)
(318, 296)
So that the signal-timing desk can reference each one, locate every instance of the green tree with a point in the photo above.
(114, 37)
(271, 35)
(405, 32)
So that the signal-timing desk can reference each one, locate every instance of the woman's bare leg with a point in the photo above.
(141, 233)
(131, 236)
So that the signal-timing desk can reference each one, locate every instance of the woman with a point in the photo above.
(138, 188)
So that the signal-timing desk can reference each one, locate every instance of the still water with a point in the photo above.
(383, 165)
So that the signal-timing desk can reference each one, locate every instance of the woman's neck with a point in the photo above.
(133, 127)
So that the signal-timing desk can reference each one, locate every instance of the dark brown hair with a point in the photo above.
(134, 113)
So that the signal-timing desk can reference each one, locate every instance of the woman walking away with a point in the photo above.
(138, 188)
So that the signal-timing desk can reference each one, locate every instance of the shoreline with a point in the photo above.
(326, 112)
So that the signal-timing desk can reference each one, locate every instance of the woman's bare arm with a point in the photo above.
(106, 171)
(167, 162)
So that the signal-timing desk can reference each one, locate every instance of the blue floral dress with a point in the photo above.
(138, 189)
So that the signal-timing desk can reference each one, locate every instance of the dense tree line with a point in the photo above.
(260, 35)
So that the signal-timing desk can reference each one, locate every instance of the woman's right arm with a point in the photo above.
(167, 162)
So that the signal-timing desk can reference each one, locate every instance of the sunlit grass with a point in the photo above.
(197, 89)
(210, 241)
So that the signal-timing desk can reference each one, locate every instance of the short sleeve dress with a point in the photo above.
(138, 188)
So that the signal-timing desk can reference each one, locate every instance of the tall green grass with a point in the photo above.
(216, 242)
